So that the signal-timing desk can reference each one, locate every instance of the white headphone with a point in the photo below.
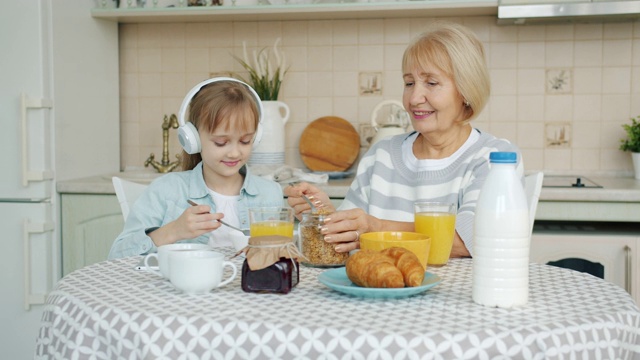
(187, 132)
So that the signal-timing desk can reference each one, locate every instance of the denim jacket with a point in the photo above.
(166, 199)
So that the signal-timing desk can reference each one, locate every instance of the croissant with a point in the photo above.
(408, 263)
(370, 268)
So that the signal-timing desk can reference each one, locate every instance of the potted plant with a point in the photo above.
(632, 143)
(264, 77)
(266, 72)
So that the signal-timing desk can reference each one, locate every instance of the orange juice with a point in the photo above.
(440, 226)
(272, 227)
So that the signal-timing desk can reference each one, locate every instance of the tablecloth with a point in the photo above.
(111, 311)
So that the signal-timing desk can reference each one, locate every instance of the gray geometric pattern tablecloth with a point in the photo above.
(111, 311)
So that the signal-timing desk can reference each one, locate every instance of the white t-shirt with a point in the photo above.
(227, 205)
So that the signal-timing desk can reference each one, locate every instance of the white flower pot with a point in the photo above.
(270, 150)
(635, 156)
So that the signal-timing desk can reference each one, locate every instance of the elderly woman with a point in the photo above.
(446, 85)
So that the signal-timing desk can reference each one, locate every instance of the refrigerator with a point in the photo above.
(54, 55)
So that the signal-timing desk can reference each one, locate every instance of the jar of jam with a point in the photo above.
(271, 265)
(318, 253)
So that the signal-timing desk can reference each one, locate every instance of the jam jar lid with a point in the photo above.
(264, 251)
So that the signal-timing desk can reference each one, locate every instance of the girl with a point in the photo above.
(224, 120)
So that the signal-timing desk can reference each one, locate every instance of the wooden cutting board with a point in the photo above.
(329, 143)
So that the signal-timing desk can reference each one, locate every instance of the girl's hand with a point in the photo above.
(194, 221)
(297, 203)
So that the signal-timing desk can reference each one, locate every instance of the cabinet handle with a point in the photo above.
(26, 104)
(30, 228)
(628, 272)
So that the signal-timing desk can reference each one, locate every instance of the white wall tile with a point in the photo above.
(583, 136)
(588, 53)
(615, 107)
(503, 82)
(617, 52)
(622, 30)
(345, 32)
(531, 54)
(559, 54)
(369, 32)
(319, 58)
(370, 58)
(320, 84)
(616, 80)
(345, 58)
(592, 31)
(530, 108)
(587, 108)
(585, 159)
(503, 108)
(530, 135)
(531, 82)
(294, 33)
(587, 80)
(504, 55)
(160, 62)
(558, 108)
(397, 31)
(320, 33)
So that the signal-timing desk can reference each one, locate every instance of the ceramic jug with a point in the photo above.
(396, 123)
(270, 150)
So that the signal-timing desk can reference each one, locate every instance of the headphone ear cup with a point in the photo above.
(189, 138)
(258, 137)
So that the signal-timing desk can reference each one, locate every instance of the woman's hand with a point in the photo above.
(297, 203)
(194, 221)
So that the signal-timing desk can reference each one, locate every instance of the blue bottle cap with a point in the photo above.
(503, 157)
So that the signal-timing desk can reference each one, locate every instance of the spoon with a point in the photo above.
(246, 232)
(313, 207)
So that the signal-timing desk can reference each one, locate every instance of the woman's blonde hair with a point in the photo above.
(212, 107)
(456, 51)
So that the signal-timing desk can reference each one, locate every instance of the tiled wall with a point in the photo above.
(561, 92)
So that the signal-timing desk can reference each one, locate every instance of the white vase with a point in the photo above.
(635, 156)
(270, 150)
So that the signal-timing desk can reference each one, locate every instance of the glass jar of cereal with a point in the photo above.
(317, 252)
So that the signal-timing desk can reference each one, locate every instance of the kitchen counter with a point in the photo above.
(617, 200)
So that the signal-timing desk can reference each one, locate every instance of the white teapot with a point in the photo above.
(397, 120)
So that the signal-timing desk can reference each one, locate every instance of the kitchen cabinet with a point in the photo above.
(90, 224)
(322, 11)
(606, 250)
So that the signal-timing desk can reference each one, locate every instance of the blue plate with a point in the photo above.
(337, 279)
(335, 174)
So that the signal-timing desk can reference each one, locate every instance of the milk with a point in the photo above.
(502, 237)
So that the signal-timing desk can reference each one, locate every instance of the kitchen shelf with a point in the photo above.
(325, 11)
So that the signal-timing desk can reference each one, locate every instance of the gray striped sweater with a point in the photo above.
(386, 188)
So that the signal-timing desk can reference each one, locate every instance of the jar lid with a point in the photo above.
(264, 251)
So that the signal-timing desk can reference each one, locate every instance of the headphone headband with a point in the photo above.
(188, 134)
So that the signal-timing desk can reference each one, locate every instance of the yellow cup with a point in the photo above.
(438, 221)
(265, 221)
(417, 243)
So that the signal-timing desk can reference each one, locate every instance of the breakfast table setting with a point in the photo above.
(113, 310)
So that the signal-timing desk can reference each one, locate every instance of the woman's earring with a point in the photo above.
(466, 103)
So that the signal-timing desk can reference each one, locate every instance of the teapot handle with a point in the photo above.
(374, 113)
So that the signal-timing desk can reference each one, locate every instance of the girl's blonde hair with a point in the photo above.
(456, 51)
(212, 107)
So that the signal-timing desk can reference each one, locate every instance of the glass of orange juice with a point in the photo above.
(265, 221)
(438, 220)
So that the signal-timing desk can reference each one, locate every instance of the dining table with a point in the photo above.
(111, 310)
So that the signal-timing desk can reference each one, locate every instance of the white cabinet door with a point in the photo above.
(26, 275)
(616, 254)
(90, 224)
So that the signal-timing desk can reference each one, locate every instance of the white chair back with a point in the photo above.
(127, 193)
(532, 189)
